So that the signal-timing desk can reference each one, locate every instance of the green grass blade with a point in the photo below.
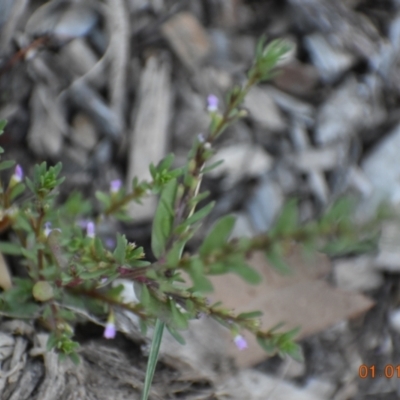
(153, 356)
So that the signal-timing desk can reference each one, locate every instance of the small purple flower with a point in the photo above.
(115, 185)
(212, 103)
(90, 230)
(201, 138)
(110, 331)
(240, 342)
(18, 173)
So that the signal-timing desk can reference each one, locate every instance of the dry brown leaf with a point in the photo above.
(301, 299)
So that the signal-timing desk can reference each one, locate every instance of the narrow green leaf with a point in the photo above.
(250, 315)
(6, 164)
(178, 319)
(166, 163)
(209, 168)
(267, 345)
(218, 235)
(176, 335)
(200, 282)
(12, 249)
(287, 221)
(17, 190)
(274, 256)
(164, 218)
(3, 123)
(246, 272)
(120, 249)
(197, 216)
(175, 254)
(103, 198)
(153, 356)
(295, 351)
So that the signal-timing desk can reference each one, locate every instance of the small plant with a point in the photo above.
(70, 271)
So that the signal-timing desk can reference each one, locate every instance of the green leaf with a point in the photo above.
(87, 275)
(176, 335)
(287, 221)
(295, 351)
(250, 315)
(218, 236)
(6, 164)
(240, 268)
(30, 184)
(12, 249)
(178, 319)
(120, 249)
(197, 216)
(17, 190)
(153, 356)
(274, 256)
(98, 247)
(209, 168)
(166, 163)
(164, 218)
(3, 123)
(200, 282)
(175, 254)
(103, 198)
(267, 345)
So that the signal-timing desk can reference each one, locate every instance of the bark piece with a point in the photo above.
(264, 110)
(297, 78)
(382, 169)
(388, 257)
(264, 205)
(357, 274)
(255, 385)
(187, 38)
(96, 108)
(150, 131)
(350, 109)
(84, 133)
(330, 61)
(45, 135)
(240, 161)
(345, 27)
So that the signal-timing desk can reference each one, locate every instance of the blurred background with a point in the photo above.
(106, 87)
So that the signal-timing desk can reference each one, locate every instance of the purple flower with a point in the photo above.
(212, 103)
(90, 230)
(110, 331)
(115, 185)
(18, 173)
(240, 342)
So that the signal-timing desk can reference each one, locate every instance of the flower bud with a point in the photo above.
(212, 103)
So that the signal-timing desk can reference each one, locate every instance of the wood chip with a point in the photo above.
(255, 385)
(264, 110)
(388, 257)
(187, 38)
(352, 107)
(150, 132)
(331, 62)
(240, 161)
(45, 135)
